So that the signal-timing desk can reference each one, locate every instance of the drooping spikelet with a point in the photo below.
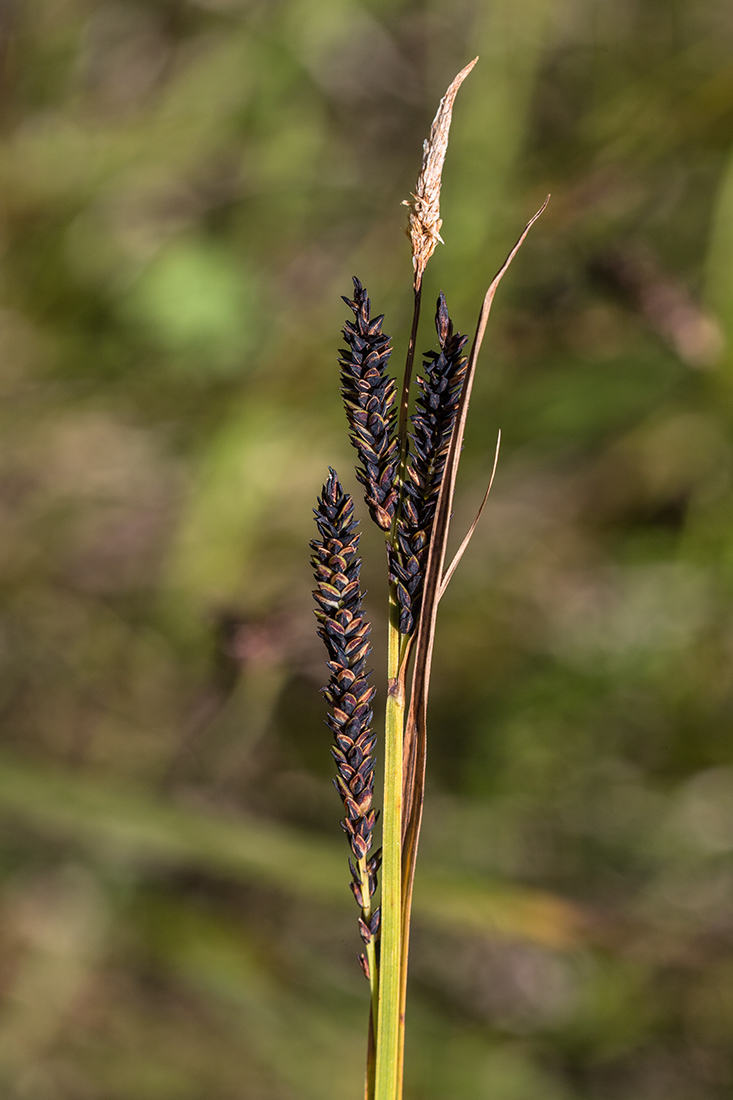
(432, 422)
(369, 398)
(345, 633)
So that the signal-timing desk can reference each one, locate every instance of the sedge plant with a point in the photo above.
(408, 461)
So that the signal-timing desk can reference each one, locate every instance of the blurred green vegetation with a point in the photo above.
(186, 188)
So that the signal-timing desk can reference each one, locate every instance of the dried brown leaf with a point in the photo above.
(416, 728)
(464, 545)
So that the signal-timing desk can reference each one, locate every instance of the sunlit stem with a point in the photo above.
(393, 960)
(390, 1019)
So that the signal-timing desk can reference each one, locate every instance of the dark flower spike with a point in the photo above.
(369, 398)
(432, 422)
(345, 634)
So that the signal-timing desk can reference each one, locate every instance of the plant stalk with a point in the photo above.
(390, 1018)
(409, 364)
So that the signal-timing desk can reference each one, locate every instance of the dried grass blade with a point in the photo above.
(414, 733)
(415, 744)
(464, 545)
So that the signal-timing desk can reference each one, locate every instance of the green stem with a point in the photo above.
(391, 1015)
(409, 362)
(370, 952)
(390, 1022)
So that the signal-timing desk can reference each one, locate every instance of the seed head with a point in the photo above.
(432, 422)
(369, 398)
(346, 636)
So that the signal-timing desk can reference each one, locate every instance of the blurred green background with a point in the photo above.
(186, 188)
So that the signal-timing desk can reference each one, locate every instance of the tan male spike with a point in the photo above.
(424, 205)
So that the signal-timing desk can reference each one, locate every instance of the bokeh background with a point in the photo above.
(186, 188)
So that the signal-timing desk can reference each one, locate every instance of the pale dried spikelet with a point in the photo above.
(424, 205)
